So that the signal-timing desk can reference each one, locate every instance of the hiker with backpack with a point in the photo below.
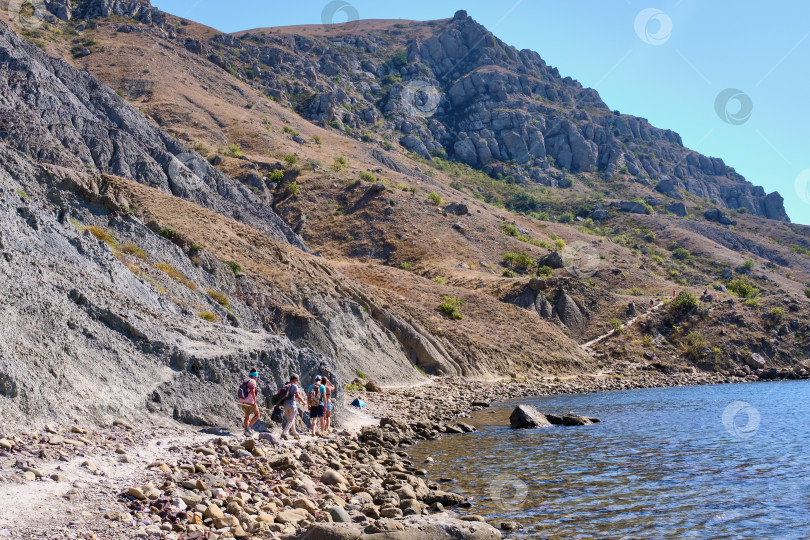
(316, 394)
(248, 391)
(289, 393)
(327, 413)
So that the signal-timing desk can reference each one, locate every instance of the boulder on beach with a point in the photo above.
(526, 417)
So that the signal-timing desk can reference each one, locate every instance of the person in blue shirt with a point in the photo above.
(316, 396)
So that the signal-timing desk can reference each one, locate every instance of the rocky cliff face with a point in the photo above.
(452, 88)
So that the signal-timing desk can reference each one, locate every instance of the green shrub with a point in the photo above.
(507, 273)
(360, 374)
(559, 244)
(777, 314)
(545, 271)
(616, 324)
(450, 306)
(219, 298)
(743, 288)
(234, 150)
(387, 145)
(434, 198)
(807, 293)
(684, 302)
(455, 184)
(317, 139)
(276, 175)
(293, 189)
(523, 261)
(366, 176)
(681, 253)
(748, 265)
(339, 164)
(234, 266)
(290, 159)
(290, 130)
(167, 232)
(751, 302)
(567, 217)
(635, 291)
(694, 345)
(406, 266)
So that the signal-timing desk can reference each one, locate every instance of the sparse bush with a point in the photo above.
(681, 253)
(807, 293)
(450, 306)
(695, 345)
(366, 176)
(234, 266)
(616, 324)
(635, 291)
(434, 198)
(455, 184)
(360, 374)
(523, 261)
(103, 235)
(339, 164)
(507, 273)
(290, 130)
(176, 275)
(751, 302)
(777, 314)
(559, 244)
(220, 298)
(545, 271)
(387, 145)
(440, 281)
(748, 265)
(684, 302)
(234, 150)
(276, 175)
(567, 217)
(293, 189)
(743, 288)
(208, 316)
(290, 160)
(406, 266)
(317, 139)
(135, 251)
(167, 232)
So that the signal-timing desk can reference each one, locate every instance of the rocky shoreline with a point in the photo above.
(351, 484)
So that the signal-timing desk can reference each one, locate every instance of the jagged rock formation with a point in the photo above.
(452, 88)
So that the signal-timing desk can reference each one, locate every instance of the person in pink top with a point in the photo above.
(247, 400)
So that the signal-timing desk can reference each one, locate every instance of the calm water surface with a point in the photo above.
(723, 461)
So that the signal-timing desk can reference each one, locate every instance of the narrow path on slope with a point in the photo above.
(646, 314)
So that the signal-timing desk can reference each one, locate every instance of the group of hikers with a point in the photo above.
(318, 404)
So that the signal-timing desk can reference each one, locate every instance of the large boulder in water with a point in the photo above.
(526, 416)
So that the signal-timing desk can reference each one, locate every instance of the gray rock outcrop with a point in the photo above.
(527, 417)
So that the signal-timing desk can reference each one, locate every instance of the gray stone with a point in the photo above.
(526, 417)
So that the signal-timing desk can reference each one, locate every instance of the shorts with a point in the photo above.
(249, 408)
(329, 407)
(316, 411)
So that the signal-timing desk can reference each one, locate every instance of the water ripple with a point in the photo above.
(664, 463)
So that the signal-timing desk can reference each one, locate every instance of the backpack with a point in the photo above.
(244, 390)
(284, 394)
(314, 396)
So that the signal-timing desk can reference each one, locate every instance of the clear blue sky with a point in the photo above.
(669, 71)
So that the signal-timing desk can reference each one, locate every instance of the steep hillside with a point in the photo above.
(153, 289)
(393, 151)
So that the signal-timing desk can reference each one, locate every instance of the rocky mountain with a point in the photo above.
(378, 199)
(139, 279)
(451, 88)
